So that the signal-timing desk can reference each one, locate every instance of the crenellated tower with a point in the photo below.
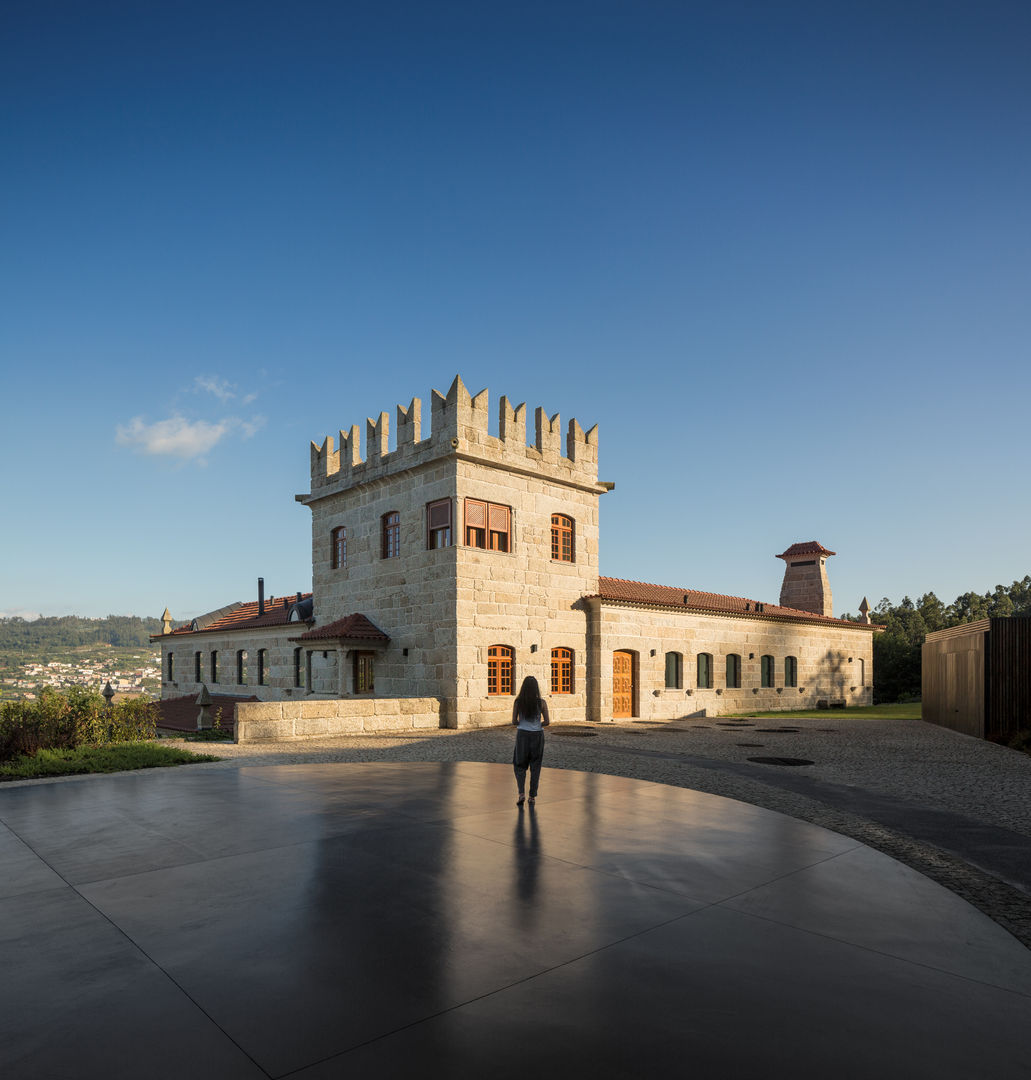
(447, 543)
(458, 428)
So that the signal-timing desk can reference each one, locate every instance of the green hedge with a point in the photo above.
(78, 717)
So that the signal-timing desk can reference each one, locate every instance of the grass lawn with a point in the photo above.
(909, 711)
(117, 757)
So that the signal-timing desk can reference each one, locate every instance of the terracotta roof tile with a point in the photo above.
(352, 626)
(810, 547)
(240, 616)
(640, 592)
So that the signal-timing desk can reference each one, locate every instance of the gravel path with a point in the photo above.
(931, 798)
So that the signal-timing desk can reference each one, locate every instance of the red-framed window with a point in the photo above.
(488, 525)
(563, 532)
(500, 669)
(561, 671)
(438, 524)
(338, 547)
(391, 535)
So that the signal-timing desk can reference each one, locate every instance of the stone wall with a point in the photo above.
(270, 721)
(279, 658)
(835, 662)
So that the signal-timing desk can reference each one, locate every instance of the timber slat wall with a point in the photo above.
(976, 678)
(1008, 690)
(952, 675)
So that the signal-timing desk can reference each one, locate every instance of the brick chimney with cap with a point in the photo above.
(805, 585)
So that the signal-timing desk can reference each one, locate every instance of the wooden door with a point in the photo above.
(622, 684)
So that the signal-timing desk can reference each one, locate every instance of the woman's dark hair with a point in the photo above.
(528, 703)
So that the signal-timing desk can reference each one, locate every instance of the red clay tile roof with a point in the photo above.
(810, 547)
(180, 714)
(353, 626)
(241, 616)
(640, 592)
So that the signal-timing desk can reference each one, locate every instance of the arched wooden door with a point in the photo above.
(622, 684)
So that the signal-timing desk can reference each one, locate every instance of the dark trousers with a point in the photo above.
(528, 754)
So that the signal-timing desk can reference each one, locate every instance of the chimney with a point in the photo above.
(298, 597)
(805, 586)
(261, 596)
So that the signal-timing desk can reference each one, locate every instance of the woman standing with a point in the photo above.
(530, 717)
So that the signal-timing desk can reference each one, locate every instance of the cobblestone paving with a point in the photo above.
(905, 759)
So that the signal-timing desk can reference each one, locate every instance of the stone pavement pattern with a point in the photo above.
(326, 919)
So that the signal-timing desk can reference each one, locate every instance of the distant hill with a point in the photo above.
(19, 635)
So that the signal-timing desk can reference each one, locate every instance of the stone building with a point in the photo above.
(447, 569)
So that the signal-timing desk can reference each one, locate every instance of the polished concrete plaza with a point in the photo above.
(331, 920)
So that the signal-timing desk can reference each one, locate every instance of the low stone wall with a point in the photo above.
(279, 720)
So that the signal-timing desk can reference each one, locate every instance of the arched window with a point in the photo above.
(241, 667)
(500, 665)
(214, 665)
(674, 671)
(561, 671)
(791, 671)
(704, 671)
(562, 538)
(391, 535)
(766, 670)
(733, 670)
(198, 672)
(338, 548)
(263, 667)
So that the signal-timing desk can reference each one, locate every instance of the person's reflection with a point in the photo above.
(527, 865)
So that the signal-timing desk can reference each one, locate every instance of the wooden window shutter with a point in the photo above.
(500, 517)
(440, 514)
(475, 514)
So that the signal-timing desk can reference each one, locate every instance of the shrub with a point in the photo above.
(78, 717)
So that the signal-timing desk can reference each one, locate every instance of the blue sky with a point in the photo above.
(779, 253)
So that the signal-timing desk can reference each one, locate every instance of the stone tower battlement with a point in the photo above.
(458, 428)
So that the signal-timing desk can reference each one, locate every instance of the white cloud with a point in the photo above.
(21, 613)
(174, 437)
(181, 438)
(212, 384)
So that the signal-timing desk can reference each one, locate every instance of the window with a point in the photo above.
(766, 669)
(488, 525)
(298, 666)
(562, 530)
(170, 667)
(364, 681)
(391, 535)
(214, 665)
(704, 671)
(733, 670)
(791, 671)
(499, 669)
(438, 524)
(862, 672)
(338, 548)
(263, 667)
(198, 673)
(674, 671)
(561, 671)
(241, 667)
